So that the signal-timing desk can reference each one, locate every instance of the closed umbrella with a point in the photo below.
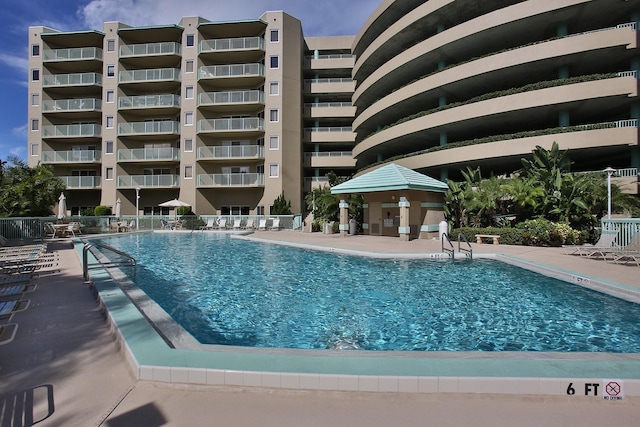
(62, 206)
(118, 207)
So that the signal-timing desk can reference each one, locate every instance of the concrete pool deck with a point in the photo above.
(65, 358)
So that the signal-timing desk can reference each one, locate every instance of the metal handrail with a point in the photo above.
(467, 251)
(451, 251)
(130, 261)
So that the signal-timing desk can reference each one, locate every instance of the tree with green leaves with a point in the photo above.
(26, 191)
(281, 206)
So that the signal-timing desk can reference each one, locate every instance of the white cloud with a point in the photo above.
(326, 17)
(18, 62)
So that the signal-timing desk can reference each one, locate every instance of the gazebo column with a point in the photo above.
(344, 218)
(404, 230)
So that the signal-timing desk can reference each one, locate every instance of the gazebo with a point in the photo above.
(398, 202)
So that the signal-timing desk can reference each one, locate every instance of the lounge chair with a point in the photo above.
(236, 223)
(8, 333)
(606, 241)
(249, 225)
(275, 224)
(9, 308)
(166, 225)
(128, 227)
(222, 223)
(16, 290)
(211, 224)
(262, 225)
(629, 253)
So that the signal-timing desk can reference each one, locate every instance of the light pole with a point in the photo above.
(609, 171)
(137, 208)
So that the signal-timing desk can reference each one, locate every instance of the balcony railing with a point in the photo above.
(231, 152)
(66, 131)
(148, 101)
(231, 180)
(69, 105)
(330, 154)
(72, 54)
(235, 44)
(76, 79)
(142, 128)
(148, 181)
(153, 75)
(329, 80)
(81, 182)
(234, 70)
(74, 156)
(231, 97)
(150, 49)
(329, 129)
(328, 104)
(148, 154)
(235, 125)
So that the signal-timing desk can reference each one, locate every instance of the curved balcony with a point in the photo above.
(233, 152)
(71, 105)
(148, 181)
(81, 182)
(166, 127)
(141, 155)
(253, 125)
(71, 157)
(149, 102)
(71, 131)
(235, 180)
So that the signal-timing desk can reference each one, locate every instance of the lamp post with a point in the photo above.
(137, 208)
(609, 171)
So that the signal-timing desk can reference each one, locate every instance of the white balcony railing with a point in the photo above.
(81, 182)
(150, 49)
(73, 156)
(72, 54)
(233, 125)
(148, 154)
(70, 105)
(148, 128)
(148, 101)
(234, 70)
(148, 181)
(234, 44)
(231, 180)
(71, 131)
(329, 129)
(330, 154)
(153, 75)
(231, 97)
(231, 152)
(76, 79)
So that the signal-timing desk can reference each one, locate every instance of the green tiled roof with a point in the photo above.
(390, 177)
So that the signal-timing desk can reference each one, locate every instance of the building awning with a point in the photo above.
(389, 178)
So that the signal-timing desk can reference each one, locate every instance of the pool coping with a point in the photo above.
(152, 358)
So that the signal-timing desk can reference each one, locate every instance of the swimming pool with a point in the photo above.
(262, 295)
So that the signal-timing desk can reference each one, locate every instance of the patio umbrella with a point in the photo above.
(118, 207)
(175, 203)
(62, 206)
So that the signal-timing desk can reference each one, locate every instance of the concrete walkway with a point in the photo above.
(65, 369)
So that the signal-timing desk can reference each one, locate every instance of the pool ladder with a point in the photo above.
(129, 261)
(450, 250)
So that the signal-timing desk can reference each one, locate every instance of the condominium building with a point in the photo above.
(443, 85)
(225, 116)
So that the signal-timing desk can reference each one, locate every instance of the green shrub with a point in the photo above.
(183, 210)
(102, 211)
(542, 232)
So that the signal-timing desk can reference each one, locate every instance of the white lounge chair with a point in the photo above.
(211, 224)
(249, 225)
(236, 223)
(222, 223)
(262, 225)
(606, 241)
(275, 224)
(629, 253)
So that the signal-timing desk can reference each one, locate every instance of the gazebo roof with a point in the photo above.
(388, 178)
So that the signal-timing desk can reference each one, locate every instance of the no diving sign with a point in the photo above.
(612, 390)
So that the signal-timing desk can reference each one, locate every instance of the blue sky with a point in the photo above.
(339, 17)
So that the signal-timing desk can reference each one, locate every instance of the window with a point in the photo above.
(111, 70)
(188, 92)
(188, 66)
(260, 210)
(274, 170)
(111, 45)
(35, 50)
(274, 142)
(274, 62)
(108, 173)
(190, 40)
(35, 75)
(35, 124)
(111, 95)
(108, 147)
(109, 123)
(188, 172)
(274, 36)
(34, 149)
(35, 99)
(274, 88)
(188, 145)
(274, 116)
(188, 118)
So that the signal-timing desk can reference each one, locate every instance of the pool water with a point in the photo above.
(234, 292)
